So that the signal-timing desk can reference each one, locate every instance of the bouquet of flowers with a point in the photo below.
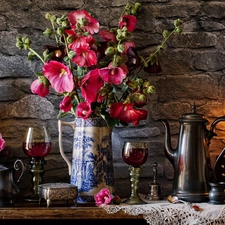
(96, 72)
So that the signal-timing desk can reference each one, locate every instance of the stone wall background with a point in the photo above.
(193, 65)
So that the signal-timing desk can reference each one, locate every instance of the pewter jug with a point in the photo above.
(9, 190)
(191, 159)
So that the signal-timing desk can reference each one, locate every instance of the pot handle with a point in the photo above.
(217, 164)
(211, 131)
(60, 125)
(17, 168)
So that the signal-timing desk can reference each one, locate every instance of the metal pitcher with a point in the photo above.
(9, 190)
(191, 159)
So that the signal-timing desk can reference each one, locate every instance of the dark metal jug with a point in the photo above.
(9, 190)
(191, 160)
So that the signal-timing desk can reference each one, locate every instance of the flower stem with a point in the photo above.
(35, 53)
(67, 50)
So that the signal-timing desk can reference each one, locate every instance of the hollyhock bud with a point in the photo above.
(116, 200)
(149, 90)
(120, 48)
(139, 99)
(40, 86)
(132, 84)
(66, 104)
(146, 84)
(109, 51)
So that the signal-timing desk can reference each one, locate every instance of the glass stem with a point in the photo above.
(36, 170)
(134, 179)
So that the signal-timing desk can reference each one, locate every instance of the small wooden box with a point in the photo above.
(57, 191)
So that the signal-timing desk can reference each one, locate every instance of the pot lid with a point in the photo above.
(193, 116)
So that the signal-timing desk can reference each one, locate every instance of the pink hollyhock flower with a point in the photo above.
(40, 87)
(85, 57)
(90, 85)
(81, 18)
(107, 36)
(112, 74)
(127, 45)
(66, 104)
(127, 114)
(2, 142)
(96, 71)
(78, 41)
(128, 21)
(59, 75)
(103, 197)
(83, 110)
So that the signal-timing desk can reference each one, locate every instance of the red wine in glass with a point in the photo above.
(36, 149)
(134, 154)
(37, 145)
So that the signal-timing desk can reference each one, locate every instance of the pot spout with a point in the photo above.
(169, 151)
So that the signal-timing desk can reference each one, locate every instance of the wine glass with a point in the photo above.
(36, 145)
(134, 154)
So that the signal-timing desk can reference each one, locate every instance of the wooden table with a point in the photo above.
(31, 211)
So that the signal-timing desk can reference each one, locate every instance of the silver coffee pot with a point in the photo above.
(191, 159)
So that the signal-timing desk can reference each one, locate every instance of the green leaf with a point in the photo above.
(30, 55)
(61, 114)
(110, 122)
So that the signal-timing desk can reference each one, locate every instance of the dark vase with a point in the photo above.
(217, 194)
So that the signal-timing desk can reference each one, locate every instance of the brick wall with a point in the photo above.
(193, 66)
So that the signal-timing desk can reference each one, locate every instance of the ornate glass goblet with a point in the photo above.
(36, 145)
(135, 154)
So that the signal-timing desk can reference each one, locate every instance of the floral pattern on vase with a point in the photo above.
(91, 167)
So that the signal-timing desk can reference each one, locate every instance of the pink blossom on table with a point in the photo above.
(40, 87)
(103, 197)
(83, 110)
(81, 18)
(66, 104)
(2, 142)
(59, 75)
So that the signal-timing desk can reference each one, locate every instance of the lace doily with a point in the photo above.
(162, 212)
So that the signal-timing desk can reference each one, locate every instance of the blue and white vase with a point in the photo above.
(91, 167)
